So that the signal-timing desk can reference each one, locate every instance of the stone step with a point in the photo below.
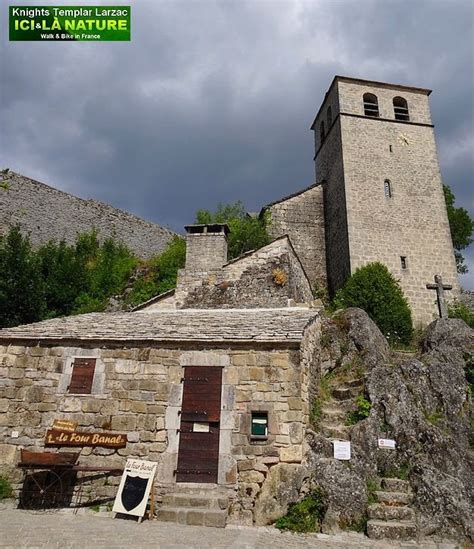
(390, 512)
(336, 432)
(396, 485)
(333, 414)
(196, 501)
(395, 530)
(394, 498)
(343, 393)
(340, 405)
(192, 516)
(355, 382)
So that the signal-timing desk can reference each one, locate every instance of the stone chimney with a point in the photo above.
(206, 247)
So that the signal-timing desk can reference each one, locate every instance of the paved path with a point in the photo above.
(98, 530)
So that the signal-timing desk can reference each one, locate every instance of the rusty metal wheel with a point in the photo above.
(42, 490)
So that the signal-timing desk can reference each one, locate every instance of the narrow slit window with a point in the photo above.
(322, 132)
(259, 424)
(82, 376)
(403, 262)
(388, 188)
(400, 108)
(329, 117)
(371, 105)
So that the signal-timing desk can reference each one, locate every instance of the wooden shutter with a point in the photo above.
(82, 376)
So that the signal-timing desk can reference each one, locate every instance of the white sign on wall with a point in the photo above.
(342, 449)
(387, 443)
(134, 488)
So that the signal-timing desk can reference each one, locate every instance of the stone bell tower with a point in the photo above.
(376, 158)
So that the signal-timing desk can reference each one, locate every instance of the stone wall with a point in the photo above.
(268, 277)
(138, 391)
(49, 214)
(330, 170)
(301, 217)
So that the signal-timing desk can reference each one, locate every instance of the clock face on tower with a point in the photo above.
(405, 140)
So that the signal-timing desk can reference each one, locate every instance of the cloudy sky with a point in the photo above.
(212, 101)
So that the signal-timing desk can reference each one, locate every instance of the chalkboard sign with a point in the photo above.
(134, 488)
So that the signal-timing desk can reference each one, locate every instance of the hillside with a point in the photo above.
(48, 214)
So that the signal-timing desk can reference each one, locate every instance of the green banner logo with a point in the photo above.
(83, 23)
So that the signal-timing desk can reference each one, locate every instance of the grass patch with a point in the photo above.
(402, 472)
(316, 412)
(359, 525)
(325, 341)
(469, 371)
(434, 418)
(373, 486)
(305, 515)
(324, 394)
(6, 490)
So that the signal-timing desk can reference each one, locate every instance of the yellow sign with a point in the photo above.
(64, 425)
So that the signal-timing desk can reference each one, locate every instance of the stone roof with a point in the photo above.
(193, 325)
(288, 197)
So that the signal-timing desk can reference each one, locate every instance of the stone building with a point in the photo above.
(378, 193)
(211, 383)
(246, 372)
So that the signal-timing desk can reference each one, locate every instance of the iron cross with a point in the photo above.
(440, 287)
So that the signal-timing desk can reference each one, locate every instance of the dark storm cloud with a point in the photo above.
(212, 101)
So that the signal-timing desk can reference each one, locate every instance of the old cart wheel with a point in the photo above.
(42, 490)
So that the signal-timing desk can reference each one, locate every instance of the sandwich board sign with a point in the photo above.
(134, 488)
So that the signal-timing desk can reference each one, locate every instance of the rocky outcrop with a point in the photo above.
(422, 401)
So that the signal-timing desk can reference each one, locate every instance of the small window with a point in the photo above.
(259, 424)
(387, 188)
(82, 376)
(371, 105)
(400, 107)
(322, 132)
(329, 117)
(403, 261)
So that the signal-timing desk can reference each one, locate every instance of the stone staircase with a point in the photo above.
(332, 424)
(195, 505)
(392, 517)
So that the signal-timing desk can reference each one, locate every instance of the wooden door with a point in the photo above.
(198, 454)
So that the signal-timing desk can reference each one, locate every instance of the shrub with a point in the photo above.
(6, 490)
(306, 515)
(246, 232)
(374, 289)
(161, 274)
(362, 411)
(458, 309)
